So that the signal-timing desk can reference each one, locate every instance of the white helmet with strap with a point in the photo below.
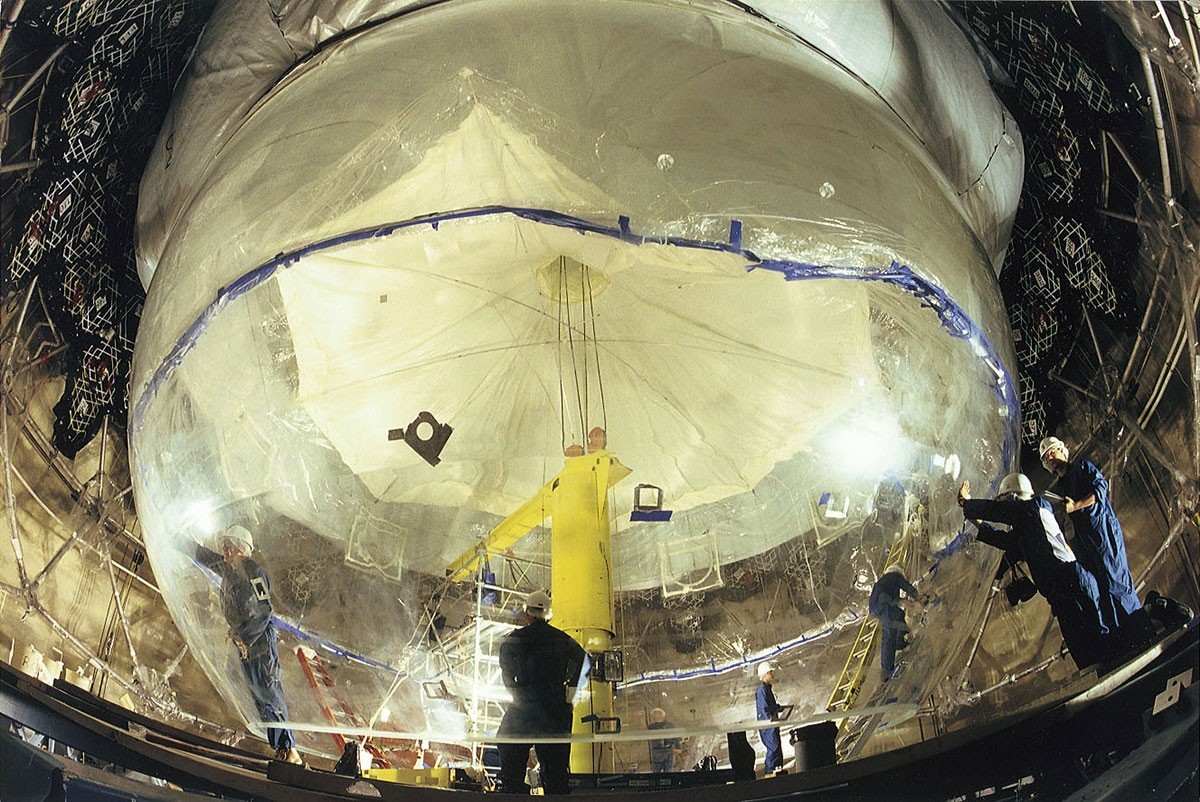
(1015, 484)
(1049, 443)
(239, 536)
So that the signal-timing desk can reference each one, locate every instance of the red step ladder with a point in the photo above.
(322, 684)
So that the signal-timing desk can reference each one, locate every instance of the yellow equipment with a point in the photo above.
(439, 777)
(576, 501)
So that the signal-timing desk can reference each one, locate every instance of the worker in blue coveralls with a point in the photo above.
(540, 666)
(246, 604)
(1099, 542)
(662, 750)
(886, 604)
(1036, 538)
(766, 709)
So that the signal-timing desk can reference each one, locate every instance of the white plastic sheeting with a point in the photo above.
(296, 312)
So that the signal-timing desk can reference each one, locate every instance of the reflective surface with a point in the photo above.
(642, 257)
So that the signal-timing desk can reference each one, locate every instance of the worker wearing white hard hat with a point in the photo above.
(1015, 485)
(766, 709)
(537, 604)
(540, 666)
(1036, 538)
(1099, 540)
(246, 606)
(238, 536)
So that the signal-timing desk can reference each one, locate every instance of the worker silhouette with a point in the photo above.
(540, 665)
(246, 605)
(662, 750)
(885, 603)
(766, 709)
(1036, 538)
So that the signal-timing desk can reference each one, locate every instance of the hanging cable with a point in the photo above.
(562, 392)
(596, 346)
(562, 262)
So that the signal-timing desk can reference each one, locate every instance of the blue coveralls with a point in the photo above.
(662, 750)
(1071, 591)
(1100, 544)
(538, 663)
(246, 605)
(884, 604)
(766, 707)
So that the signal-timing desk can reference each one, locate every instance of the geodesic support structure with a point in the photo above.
(51, 550)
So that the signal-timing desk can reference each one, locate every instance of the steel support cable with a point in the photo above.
(1172, 39)
(1172, 534)
(1173, 354)
(1170, 120)
(987, 614)
(8, 23)
(1144, 470)
(596, 347)
(1143, 328)
(583, 312)
(1129, 162)
(1015, 678)
(74, 538)
(53, 461)
(1189, 22)
(562, 389)
(7, 108)
(1193, 368)
(1160, 131)
(1140, 435)
(1104, 169)
(6, 449)
(1099, 356)
(121, 617)
(571, 347)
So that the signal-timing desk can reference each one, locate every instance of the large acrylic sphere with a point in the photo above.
(523, 222)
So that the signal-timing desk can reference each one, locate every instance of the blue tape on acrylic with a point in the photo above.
(951, 316)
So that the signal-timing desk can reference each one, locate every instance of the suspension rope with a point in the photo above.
(596, 347)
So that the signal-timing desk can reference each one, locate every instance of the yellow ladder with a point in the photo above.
(854, 673)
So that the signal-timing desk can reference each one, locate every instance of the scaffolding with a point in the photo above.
(470, 653)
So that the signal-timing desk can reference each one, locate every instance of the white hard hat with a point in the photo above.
(1052, 442)
(537, 602)
(765, 668)
(238, 535)
(1017, 484)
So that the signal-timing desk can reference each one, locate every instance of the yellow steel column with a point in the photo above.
(581, 583)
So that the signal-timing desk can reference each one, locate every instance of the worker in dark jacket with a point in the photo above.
(766, 709)
(246, 605)
(1099, 541)
(662, 750)
(1036, 538)
(540, 665)
(885, 604)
